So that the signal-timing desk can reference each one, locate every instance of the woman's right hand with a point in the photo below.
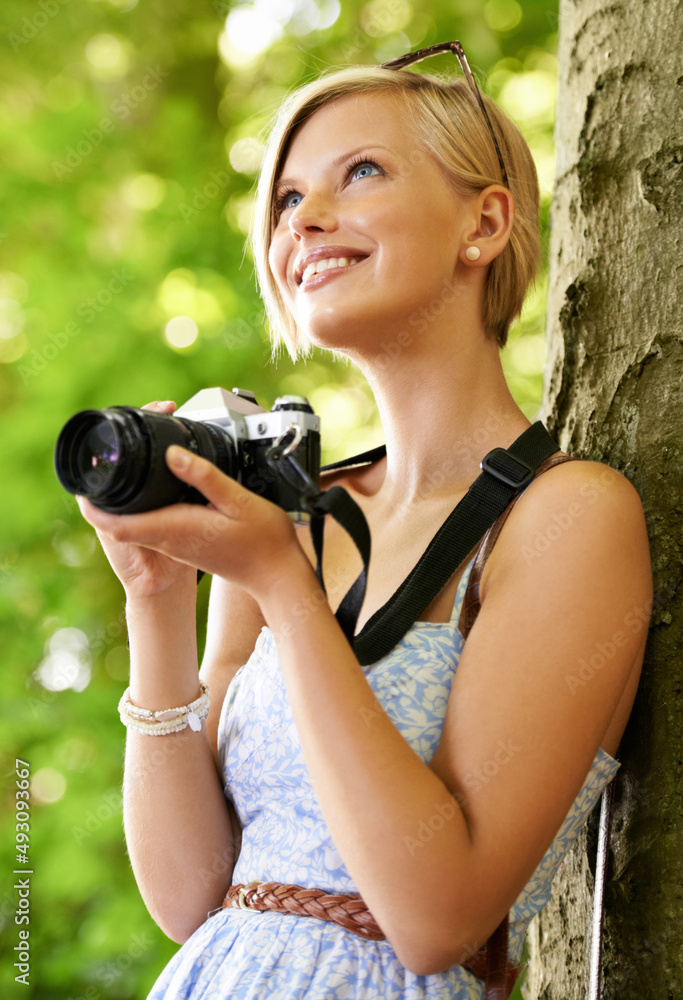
(143, 572)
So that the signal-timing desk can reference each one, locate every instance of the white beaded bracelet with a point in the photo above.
(167, 720)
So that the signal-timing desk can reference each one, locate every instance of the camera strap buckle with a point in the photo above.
(279, 449)
(507, 469)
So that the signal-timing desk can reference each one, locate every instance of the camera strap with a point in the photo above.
(505, 472)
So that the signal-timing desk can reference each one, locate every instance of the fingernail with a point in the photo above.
(178, 458)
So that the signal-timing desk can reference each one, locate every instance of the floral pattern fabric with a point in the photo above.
(252, 955)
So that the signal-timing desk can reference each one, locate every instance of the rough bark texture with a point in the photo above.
(614, 393)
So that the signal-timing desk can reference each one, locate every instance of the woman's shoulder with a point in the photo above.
(576, 514)
(572, 489)
(580, 479)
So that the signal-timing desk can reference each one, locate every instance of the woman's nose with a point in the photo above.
(313, 214)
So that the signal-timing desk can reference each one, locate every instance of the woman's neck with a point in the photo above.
(443, 405)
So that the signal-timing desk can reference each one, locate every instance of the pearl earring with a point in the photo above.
(473, 253)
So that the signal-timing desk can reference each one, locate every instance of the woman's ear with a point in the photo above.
(494, 209)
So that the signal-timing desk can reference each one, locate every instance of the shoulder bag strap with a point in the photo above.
(595, 972)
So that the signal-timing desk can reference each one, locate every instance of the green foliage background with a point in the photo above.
(130, 135)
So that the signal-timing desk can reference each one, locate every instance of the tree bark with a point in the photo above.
(614, 393)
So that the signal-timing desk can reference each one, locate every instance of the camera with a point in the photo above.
(116, 457)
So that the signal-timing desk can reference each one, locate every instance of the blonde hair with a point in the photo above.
(449, 123)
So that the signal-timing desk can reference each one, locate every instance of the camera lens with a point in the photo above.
(96, 455)
(117, 457)
(90, 453)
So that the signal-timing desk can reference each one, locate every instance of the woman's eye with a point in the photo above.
(365, 169)
(290, 199)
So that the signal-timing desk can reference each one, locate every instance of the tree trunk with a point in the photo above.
(614, 394)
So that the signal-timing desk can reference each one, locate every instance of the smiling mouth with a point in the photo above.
(328, 264)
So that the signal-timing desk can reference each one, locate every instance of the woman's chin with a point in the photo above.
(330, 336)
(343, 331)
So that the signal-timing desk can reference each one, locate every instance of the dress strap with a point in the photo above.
(462, 589)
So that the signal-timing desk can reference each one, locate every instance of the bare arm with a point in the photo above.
(183, 837)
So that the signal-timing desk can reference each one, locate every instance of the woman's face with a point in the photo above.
(369, 229)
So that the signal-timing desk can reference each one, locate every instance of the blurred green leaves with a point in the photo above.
(130, 140)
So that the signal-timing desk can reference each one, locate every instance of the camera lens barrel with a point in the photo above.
(117, 457)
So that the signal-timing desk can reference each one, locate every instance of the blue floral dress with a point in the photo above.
(242, 954)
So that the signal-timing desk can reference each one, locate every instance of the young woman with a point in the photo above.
(397, 226)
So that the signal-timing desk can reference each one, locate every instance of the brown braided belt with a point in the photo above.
(349, 912)
(352, 913)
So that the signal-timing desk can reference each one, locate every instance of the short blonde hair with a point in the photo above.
(447, 120)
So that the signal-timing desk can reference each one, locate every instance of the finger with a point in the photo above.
(194, 534)
(159, 529)
(164, 529)
(166, 406)
(98, 518)
(225, 493)
(86, 508)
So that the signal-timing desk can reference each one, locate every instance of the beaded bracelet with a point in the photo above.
(167, 720)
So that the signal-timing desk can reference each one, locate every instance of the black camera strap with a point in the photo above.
(505, 472)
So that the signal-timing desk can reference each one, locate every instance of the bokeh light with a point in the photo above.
(107, 56)
(503, 15)
(245, 155)
(47, 786)
(181, 332)
(67, 662)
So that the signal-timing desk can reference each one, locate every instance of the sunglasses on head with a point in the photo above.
(456, 48)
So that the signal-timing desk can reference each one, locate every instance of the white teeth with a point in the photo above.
(324, 265)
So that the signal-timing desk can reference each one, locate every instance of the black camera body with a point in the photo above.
(116, 457)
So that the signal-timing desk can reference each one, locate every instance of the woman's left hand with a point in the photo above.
(239, 536)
